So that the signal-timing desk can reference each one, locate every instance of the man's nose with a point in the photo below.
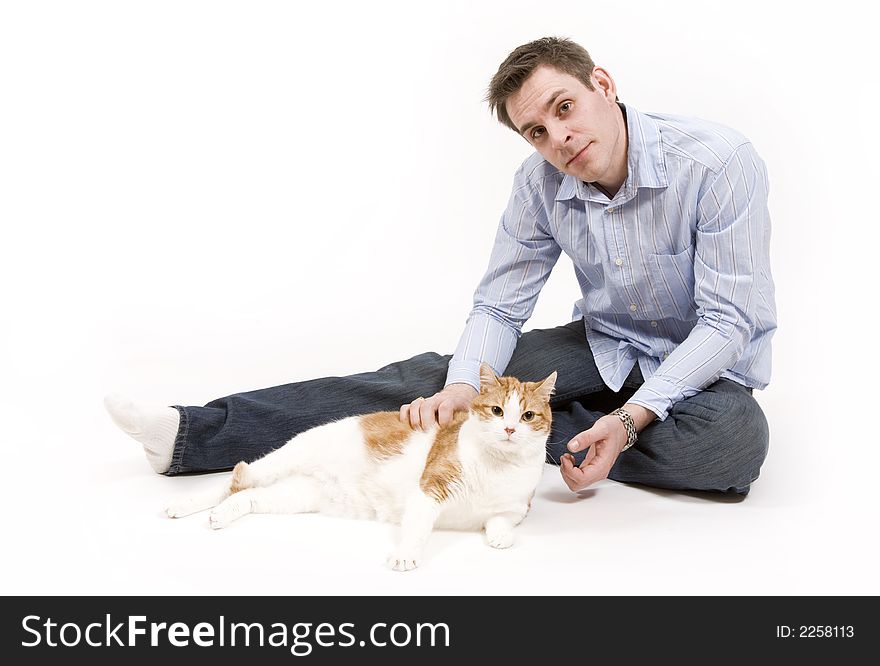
(559, 137)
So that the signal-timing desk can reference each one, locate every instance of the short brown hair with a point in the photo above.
(559, 52)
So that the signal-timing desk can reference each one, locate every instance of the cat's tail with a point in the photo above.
(209, 499)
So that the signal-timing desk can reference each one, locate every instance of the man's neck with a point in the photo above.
(608, 194)
(611, 190)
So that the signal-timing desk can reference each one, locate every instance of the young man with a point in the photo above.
(665, 219)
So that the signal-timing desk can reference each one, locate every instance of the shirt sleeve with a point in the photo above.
(732, 232)
(522, 258)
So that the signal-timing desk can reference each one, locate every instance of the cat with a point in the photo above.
(478, 472)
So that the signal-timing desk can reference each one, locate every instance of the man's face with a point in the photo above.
(579, 131)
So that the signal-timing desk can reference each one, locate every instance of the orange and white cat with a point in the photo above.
(478, 472)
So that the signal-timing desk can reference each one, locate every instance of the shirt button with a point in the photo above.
(619, 262)
(654, 324)
(610, 210)
(633, 307)
(665, 355)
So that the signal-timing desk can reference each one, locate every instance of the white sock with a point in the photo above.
(154, 427)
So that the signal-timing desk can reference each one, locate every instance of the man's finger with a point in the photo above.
(573, 476)
(581, 441)
(426, 414)
(414, 415)
(445, 413)
(592, 474)
(565, 465)
(595, 467)
(566, 462)
(588, 458)
(571, 463)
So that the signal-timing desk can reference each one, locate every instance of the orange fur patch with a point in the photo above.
(443, 468)
(237, 483)
(384, 434)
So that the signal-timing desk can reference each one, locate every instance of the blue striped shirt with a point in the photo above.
(674, 270)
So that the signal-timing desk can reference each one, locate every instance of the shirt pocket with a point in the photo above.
(672, 281)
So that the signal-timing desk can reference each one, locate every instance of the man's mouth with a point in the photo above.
(580, 152)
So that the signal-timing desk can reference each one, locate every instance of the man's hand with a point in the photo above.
(422, 413)
(606, 439)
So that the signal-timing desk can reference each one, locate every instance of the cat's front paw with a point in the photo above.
(223, 514)
(500, 539)
(403, 560)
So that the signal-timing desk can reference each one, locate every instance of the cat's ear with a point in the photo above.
(545, 389)
(487, 376)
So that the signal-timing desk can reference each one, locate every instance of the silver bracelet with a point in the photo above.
(631, 433)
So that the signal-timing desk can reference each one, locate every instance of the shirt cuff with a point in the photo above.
(463, 372)
(658, 395)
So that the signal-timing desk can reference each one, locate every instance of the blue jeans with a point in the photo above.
(715, 440)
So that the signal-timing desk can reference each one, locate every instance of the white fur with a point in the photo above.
(328, 469)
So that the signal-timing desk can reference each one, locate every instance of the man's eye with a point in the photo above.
(565, 107)
(537, 132)
(497, 411)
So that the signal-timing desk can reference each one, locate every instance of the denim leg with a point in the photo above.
(715, 440)
(246, 426)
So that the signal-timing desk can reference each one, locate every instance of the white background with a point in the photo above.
(201, 198)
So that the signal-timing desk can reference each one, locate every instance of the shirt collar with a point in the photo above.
(645, 164)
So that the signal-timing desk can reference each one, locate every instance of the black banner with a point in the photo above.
(428, 629)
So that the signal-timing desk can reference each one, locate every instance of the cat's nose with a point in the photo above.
(510, 431)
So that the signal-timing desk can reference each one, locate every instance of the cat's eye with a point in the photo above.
(497, 411)
(528, 416)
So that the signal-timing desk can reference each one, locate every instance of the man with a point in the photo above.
(665, 219)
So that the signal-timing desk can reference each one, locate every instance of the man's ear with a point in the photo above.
(604, 84)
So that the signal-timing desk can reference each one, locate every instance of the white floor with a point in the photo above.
(91, 524)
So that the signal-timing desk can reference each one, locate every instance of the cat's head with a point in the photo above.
(512, 413)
